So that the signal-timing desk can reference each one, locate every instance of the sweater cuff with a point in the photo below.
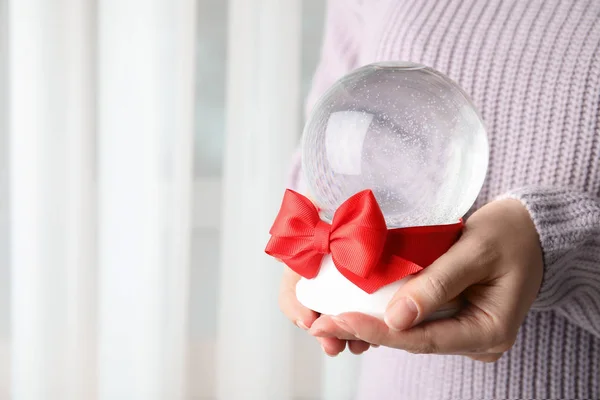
(568, 225)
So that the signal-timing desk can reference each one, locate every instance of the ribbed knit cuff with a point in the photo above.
(568, 224)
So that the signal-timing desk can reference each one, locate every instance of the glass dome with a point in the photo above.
(403, 130)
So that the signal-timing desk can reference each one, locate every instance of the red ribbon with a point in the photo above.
(361, 247)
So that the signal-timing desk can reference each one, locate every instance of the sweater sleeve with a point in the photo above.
(568, 224)
(340, 51)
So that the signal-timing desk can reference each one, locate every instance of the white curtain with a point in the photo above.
(103, 222)
(100, 130)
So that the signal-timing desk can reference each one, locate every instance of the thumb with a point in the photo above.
(433, 287)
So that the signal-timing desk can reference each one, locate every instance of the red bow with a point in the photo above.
(357, 239)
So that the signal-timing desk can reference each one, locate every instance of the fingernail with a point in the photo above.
(401, 314)
(344, 325)
(301, 325)
(374, 346)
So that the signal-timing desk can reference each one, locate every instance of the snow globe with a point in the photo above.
(394, 156)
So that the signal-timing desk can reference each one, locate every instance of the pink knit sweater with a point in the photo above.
(533, 69)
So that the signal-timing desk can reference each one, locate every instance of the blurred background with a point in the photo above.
(144, 149)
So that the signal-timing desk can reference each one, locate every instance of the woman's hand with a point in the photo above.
(496, 265)
(305, 319)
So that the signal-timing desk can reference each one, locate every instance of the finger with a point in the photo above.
(366, 328)
(289, 304)
(326, 326)
(461, 334)
(436, 285)
(358, 346)
(332, 346)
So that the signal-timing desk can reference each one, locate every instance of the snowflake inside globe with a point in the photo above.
(405, 131)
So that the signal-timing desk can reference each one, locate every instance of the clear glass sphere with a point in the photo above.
(403, 130)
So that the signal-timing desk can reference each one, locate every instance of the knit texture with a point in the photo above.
(533, 70)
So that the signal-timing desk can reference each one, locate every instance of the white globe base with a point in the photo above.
(330, 293)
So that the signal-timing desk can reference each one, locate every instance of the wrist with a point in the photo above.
(526, 249)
